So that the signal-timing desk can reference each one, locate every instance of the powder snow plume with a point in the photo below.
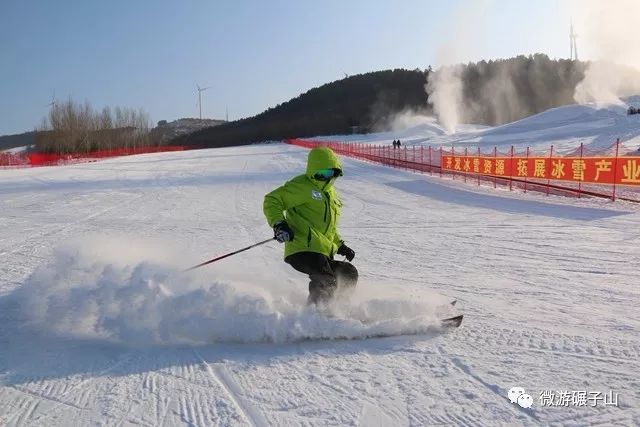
(138, 303)
(444, 87)
(607, 31)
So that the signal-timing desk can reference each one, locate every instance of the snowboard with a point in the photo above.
(452, 322)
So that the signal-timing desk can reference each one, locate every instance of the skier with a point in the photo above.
(303, 213)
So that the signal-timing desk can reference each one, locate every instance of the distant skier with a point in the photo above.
(304, 213)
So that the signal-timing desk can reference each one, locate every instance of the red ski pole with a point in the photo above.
(228, 255)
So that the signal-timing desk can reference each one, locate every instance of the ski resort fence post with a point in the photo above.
(580, 182)
(525, 177)
(441, 167)
(392, 153)
(453, 154)
(495, 160)
(414, 166)
(406, 165)
(615, 170)
(511, 170)
(430, 163)
(551, 168)
(422, 159)
(392, 157)
(479, 170)
(465, 163)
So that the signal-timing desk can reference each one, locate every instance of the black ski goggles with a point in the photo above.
(327, 174)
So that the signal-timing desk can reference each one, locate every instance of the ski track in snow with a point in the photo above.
(548, 287)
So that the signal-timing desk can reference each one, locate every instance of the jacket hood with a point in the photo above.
(322, 158)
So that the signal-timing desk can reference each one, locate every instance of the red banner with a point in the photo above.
(595, 170)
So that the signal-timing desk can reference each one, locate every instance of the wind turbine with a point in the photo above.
(200, 90)
(53, 100)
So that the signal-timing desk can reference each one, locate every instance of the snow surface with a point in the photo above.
(98, 326)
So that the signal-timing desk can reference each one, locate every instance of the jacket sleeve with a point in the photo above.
(279, 200)
(337, 239)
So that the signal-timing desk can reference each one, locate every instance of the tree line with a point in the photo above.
(494, 92)
(71, 127)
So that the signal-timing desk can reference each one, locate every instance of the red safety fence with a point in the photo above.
(13, 160)
(50, 159)
(610, 176)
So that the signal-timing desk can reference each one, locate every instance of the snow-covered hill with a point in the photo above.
(99, 327)
(564, 127)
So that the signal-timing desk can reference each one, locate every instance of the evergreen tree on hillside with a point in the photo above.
(494, 92)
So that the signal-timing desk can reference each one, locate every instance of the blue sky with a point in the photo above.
(253, 54)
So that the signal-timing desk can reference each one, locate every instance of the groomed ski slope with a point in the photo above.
(98, 327)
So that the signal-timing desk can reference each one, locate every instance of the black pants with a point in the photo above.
(326, 274)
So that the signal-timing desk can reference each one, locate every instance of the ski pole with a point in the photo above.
(228, 255)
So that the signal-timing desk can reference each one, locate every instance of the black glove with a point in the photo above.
(282, 232)
(346, 251)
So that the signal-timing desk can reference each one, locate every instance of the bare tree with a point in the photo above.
(72, 128)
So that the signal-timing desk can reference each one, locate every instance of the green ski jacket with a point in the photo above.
(310, 207)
